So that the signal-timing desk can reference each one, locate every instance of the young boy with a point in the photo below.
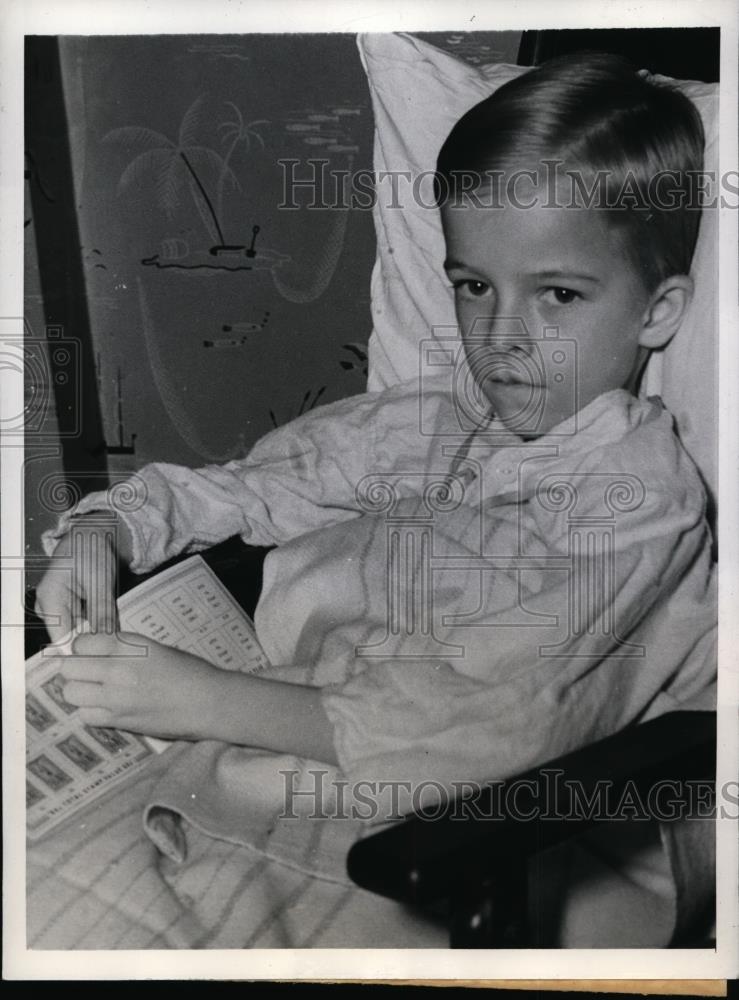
(451, 603)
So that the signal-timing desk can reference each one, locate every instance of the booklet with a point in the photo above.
(68, 763)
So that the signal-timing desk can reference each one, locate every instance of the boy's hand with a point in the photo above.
(161, 692)
(177, 695)
(79, 584)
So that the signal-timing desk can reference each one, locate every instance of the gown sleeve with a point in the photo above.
(298, 478)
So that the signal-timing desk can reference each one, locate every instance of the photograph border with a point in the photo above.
(21, 17)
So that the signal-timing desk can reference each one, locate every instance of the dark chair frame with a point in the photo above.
(470, 858)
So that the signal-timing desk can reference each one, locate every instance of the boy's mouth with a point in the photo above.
(507, 374)
(507, 368)
(508, 378)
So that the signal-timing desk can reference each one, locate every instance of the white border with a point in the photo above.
(19, 17)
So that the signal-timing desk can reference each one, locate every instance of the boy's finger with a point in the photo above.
(56, 631)
(55, 663)
(97, 717)
(83, 695)
(102, 616)
(57, 604)
(96, 556)
(81, 668)
(95, 644)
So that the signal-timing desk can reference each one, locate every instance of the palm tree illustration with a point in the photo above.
(173, 163)
(237, 131)
(303, 288)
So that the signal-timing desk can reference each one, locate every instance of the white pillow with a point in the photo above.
(685, 374)
(418, 93)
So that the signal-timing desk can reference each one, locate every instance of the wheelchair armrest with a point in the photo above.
(488, 837)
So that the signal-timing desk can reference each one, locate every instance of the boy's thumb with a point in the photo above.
(94, 644)
(101, 608)
(91, 643)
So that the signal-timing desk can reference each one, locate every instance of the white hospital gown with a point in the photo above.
(471, 604)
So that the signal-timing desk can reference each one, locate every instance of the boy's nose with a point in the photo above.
(501, 332)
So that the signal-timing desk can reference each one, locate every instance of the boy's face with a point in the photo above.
(520, 273)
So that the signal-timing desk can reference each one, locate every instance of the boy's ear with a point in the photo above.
(665, 311)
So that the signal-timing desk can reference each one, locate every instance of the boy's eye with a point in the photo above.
(471, 286)
(564, 296)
